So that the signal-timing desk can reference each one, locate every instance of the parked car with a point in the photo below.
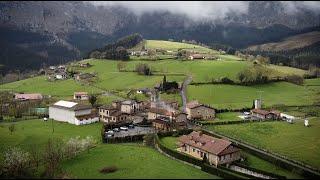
(116, 129)
(124, 128)
(110, 132)
(110, 135)
(131, 126)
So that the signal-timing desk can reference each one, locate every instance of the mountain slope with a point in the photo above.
(69, 30)
(293, 42)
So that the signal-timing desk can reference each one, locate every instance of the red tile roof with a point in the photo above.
(260, 111)
(207, 143)
(161, 111)
(33, 96)
(192, 104)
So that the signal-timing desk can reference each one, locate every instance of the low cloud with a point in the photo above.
(196, 10)
(200, 10)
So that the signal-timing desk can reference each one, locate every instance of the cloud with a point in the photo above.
(200, 10)
(293, 7)
(196, 10)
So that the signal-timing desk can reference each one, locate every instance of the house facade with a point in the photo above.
(110, 114)
(130, 106)
(264, 114)
(216, 151)
(199, 111)
(24, 97)
(81, 96)
(73, 113)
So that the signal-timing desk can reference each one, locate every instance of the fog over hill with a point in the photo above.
(52, 32)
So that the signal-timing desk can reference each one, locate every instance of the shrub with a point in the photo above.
(17, 164)
(295, 79)
(143, 69)
(108, 169)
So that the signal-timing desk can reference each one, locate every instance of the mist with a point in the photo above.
(202, 10)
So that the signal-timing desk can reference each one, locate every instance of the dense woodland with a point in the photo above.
(117, 50)
(300, 58)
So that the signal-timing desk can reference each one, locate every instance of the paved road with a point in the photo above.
(183, 92)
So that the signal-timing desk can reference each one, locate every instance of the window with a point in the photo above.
(193, 150)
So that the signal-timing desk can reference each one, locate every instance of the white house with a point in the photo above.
(73, 113)
(81, 95)
(61, 76)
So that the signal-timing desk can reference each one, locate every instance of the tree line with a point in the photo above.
(117, 50)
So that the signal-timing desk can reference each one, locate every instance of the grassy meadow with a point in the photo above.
(291, 140)
(133, 160)
(234, 96)
(251, 160)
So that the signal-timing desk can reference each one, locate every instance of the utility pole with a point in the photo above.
(52, 125)
(260, 96)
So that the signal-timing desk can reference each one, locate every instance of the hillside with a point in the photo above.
(120, 83)
(293, 42)
(75, 28)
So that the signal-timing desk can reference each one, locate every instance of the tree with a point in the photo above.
(52, 156)
(95, 54)
(12, 128)
(121, 66)
(143, 69)
(93, 99)
(17, 164)
(295, 79)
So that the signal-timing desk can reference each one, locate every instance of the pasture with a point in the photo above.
(234, 96)
(251, 160)
(291, 140)
(133, 160)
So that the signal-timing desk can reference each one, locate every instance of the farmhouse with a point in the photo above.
(24, 97)
(162, 124)
(61, 75)
(180, 121)
(130, 106)
(196, 56)
(199, 111)
(154, 113)
(165, 124)
(85, 65)
(110, 114)
(264, 114)
(80, 96)
(83, 76)
(73, 113)
(216, 151)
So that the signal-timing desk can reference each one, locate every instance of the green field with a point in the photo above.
(233, 96)
(292, 140)
(251, 160)
(133, 160)
(60, 88)
(228, 116)
(174, 46)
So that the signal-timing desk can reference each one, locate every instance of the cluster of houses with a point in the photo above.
(56, 72)
(263, 114)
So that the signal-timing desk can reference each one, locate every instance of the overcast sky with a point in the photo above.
(201, 9)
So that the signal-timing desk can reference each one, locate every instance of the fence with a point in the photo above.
(281, 161)
(221, 172)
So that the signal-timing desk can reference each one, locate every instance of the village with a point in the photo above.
(189, 125)
(133, 118)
